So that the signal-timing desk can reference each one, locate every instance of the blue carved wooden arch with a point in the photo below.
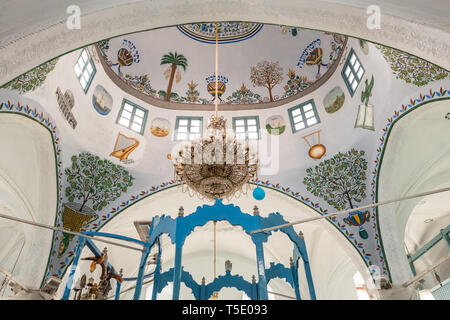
(230, 281)
(179, 228)
(166, 277)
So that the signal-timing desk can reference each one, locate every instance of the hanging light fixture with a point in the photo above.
(217, 165)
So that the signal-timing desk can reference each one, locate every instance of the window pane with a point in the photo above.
(195, 123)
(183, 122)
(354, 85)
(240, 129)
(347, 71)
(253, 135)
(84, 55)
(126, 114)
(137, 120)
(309, 114)
(298, 119)
(124, 122)
(350, 79)
(136, 127)
(240, 123)
(299, 126)
(181, 136)
(128, 107)
(311, 121)
(251, 122)
(182, 129)
(83, 83)
(352, 59)
(252, 129)
(356, 66)
(90, 68)
(195, 129)
(77, 70)
(360, 73)
(240, 136)
(307, 107)
(295, 112)
(139, 113)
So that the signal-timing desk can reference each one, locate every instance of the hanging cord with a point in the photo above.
(217, 73)
(215, 248)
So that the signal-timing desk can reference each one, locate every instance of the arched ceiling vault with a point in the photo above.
(24, 46)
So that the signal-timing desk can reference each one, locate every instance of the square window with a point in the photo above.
(246, 127)
(128, 117)
(303, 116)
(352, 72)
(187, 128)
(84, 70)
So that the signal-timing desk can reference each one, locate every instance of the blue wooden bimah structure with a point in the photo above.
(179, 228)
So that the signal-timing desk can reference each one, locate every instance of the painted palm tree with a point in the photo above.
(174, 60)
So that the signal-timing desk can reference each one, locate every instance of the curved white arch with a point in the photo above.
(411, 165)
(25, 46)
(330, 253)
(28, 191)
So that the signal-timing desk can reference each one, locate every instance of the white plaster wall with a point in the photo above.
(27, 191)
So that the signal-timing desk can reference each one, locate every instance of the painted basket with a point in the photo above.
(74, 220)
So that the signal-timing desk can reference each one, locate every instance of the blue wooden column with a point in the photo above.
(179, 242)
(117, 291)
(177, 272)
(262, 283)
(312, 292)
(157, 272)
(73, 268)
(140, 277)
(294, 270)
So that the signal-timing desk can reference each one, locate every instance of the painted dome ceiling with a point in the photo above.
(257, 63)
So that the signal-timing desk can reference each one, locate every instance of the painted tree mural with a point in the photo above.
(32, 79)
(95, 180)
(340, 180)
(266, 74)
(174, 60)
(411, 69)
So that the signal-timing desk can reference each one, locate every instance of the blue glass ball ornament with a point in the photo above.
(259, 193)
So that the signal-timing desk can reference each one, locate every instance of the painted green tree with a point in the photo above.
(340, 180)
(32, 79)
(412, 69)
(174, 60)
(95, 180)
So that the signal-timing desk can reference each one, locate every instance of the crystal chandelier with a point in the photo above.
(217, 165)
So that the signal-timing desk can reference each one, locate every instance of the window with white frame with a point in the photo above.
(352, 72)
(246, 127)
(132, 116)
(188, 128)
(303, 116)
(85, 69)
